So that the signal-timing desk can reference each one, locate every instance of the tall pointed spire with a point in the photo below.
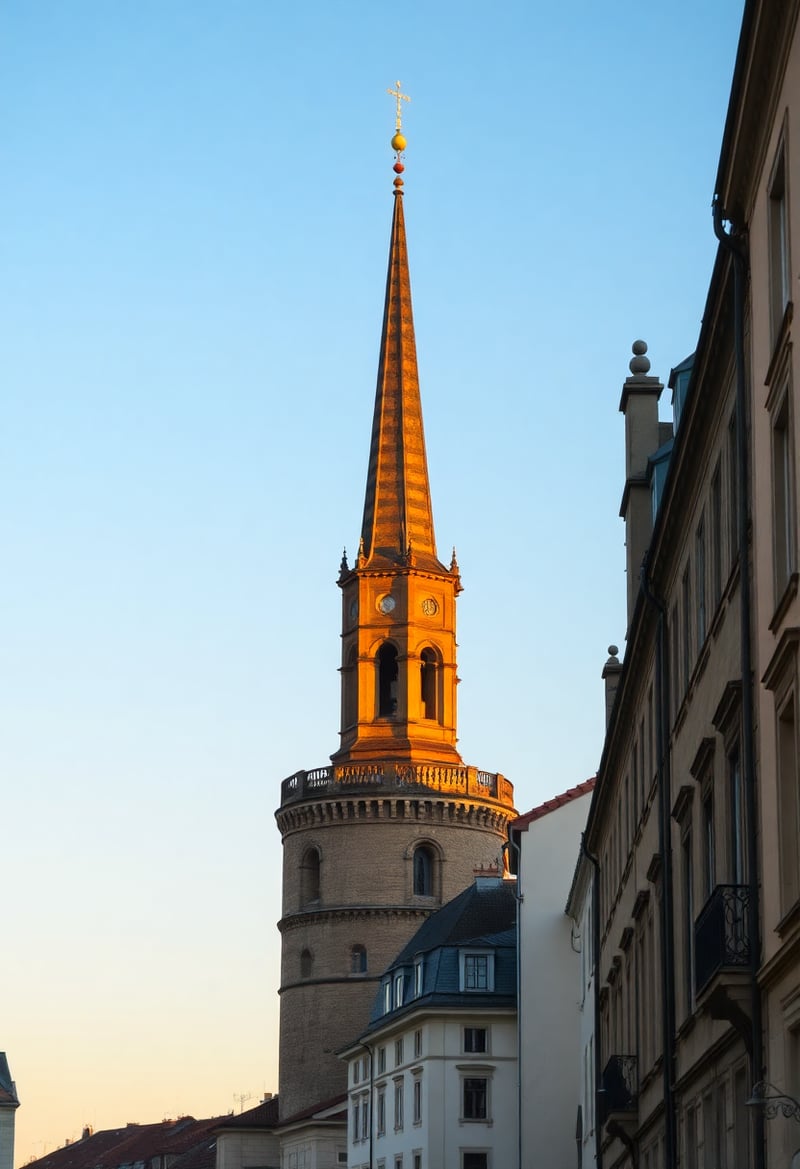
(398, 516)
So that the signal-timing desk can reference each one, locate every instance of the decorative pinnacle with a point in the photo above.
(639, 363)
(398, 139)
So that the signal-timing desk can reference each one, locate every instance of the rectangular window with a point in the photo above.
(788, 793)
(783, 518)
(381, 1060)
(380, 1109)
(475, 1098)
(417, 1044)
(716, 537)
(700, 582)
(779, 266)
(398, 1161)
(418, 1161)
(418, 971)
(417, 1100)
(688, 920)
(398, 1052)
(365, 1119)
(722, 1129)
(741, 1120)
(709, 860)
(477, 971)
(475, 1039)
(686, 646)
(690, 1139)
(356, 1119)
(733, 491)
(387, 997)
(675, 672)
(398, 1105)
(398, 990)
(738, 834)
(474, 1160)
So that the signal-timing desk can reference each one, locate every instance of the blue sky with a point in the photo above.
(194, 223)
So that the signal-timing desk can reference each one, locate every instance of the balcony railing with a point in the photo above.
(393, 776)
(619, 1086)
(722, 934)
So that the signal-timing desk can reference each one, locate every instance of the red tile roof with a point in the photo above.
(323, 1106)
(264, 1115)
(552, 805)
(133, 1144)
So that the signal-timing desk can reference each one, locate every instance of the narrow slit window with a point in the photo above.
(387, 680)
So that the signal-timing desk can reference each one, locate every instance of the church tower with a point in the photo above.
(396, 824)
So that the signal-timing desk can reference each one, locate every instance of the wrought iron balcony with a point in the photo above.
(619, 1091)
(722, 934)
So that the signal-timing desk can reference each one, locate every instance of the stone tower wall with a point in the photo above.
(366, 898)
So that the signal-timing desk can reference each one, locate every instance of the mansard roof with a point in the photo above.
(483, 917)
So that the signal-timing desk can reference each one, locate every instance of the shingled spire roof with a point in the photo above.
(398, 517)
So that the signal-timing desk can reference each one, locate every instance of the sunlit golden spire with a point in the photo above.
(398, 517)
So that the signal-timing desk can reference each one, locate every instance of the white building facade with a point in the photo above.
(432, 1084)
(556, 1019)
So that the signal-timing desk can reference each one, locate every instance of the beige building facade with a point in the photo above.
(695, 822)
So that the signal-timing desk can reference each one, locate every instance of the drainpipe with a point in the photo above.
(665, 847)
(736, 246)
(518, 896)
(369, 1051)
(598, 1060)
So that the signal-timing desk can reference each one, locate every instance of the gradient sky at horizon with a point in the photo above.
(194, 222)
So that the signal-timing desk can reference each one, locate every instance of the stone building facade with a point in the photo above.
(695, 820)
(396, 824)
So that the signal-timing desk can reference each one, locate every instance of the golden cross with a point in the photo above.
(400, 97)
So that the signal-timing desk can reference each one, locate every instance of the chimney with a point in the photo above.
(87, 1132)
(611, 672)
(639, 404)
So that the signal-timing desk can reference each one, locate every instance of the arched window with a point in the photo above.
(428, 683)
(423, 871)
(309, 876)
(350, 712)
(358, 960)
(387, 680)
(306, 963)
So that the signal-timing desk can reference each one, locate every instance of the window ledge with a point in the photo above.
(789, 594)
(789, 921)
(780, 343)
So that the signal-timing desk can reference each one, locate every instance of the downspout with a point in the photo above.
(368, 1049)
(518, 897)
(665, 847)
(598, 1061)
(736, 246)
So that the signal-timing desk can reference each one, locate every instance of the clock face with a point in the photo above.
(386, 604)
(429, 607)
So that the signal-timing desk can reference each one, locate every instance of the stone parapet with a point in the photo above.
(392, 776)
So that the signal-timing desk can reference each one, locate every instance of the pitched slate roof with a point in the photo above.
(8, 1091)
(479, 914)
(573, 793)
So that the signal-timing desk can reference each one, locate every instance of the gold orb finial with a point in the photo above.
(398, 139)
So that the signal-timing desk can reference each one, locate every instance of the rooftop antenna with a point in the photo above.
(242, 1098)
